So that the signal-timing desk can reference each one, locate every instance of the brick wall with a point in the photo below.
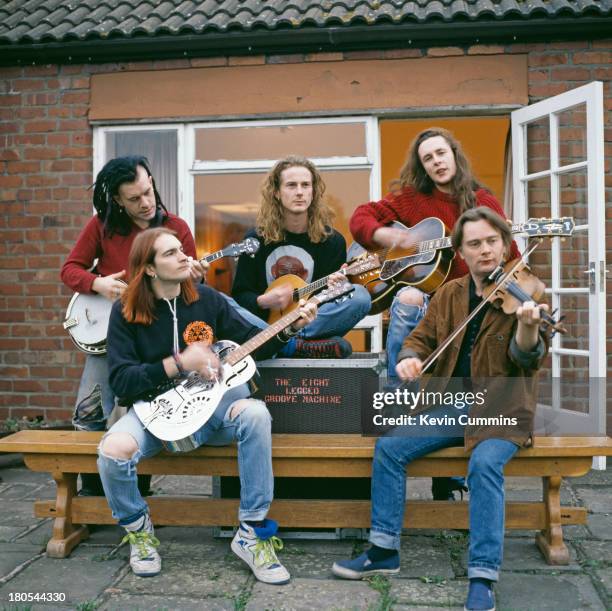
(45, 172)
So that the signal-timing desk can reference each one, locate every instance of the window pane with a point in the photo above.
(225, 209)
(538, 146)
(226, 206)
(160, 148)
(276, 142)
(572, 135)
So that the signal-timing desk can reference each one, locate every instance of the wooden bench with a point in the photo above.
(66, 453)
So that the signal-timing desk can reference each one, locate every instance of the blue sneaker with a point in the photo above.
(480, 596)
(362, 566)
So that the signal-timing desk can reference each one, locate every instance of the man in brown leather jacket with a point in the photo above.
(498, 355)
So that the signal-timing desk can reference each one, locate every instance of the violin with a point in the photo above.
(520, 285)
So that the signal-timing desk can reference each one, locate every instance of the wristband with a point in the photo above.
(179, 365)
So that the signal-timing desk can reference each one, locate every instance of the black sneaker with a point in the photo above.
(332, 348)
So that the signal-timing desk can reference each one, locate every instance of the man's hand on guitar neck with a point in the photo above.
(337, 278)
(198, 269)
(276, 299)
(110, 286)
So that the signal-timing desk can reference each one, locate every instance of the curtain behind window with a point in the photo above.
(160, 148)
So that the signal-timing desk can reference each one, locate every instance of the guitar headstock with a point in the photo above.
(543, 227)
(331, 293)
(247, 247)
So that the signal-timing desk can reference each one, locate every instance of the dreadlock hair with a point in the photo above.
(270, 217)
(116, 172)
(138, 300)
(463, 185)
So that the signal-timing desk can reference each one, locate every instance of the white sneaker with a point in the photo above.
(144, 559)
(260, 554)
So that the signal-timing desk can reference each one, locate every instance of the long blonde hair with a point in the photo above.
(269, 222)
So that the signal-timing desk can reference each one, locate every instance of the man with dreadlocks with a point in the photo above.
(435, 181)
(127, 202)
(294, 229)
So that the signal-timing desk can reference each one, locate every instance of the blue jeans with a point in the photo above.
(333, 318)
(251, 428)
(403, 319)
(95, 399)
(485, 481)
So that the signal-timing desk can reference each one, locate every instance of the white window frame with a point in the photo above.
(370, 161)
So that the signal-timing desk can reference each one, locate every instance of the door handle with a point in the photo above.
(592, 276)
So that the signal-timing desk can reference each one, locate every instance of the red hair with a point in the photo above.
(139, 299)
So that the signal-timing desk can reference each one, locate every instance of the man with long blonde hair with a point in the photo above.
(435, 181)
(294, 227)
(161, 331)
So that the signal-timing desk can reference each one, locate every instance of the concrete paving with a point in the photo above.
(200, 571)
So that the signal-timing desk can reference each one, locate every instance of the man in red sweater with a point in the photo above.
(127, 202)
(435, 181)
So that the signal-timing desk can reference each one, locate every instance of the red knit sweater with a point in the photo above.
(410, 207)
(112, 252)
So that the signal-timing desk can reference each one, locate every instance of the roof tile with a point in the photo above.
(37, 20)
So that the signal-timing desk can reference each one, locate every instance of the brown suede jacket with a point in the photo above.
(497, 363)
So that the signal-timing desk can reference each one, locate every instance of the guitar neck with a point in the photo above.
(429, 245)
(311, 288)
(261, 338)
(214, 256)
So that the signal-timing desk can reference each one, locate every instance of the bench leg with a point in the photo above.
(550, 541)
(66, 536)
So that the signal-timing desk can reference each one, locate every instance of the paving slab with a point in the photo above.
(597, 551)
(521, 592)
(59, 575)
(600, 526)
(605, 578)
(199, 485)
(15, 554)
(594, 477)
(524, 555)
(596, 498)
(8, 533)
(22, 475)
(194, 572)
(39, 533)
(308, 594)
(442, 593)
(123, 602)
(425, 556)
(16, 513)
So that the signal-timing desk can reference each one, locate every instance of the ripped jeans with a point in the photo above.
(403, 319)
(251, 428)
(95, 399)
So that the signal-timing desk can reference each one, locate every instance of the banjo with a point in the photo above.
(88, 314)
(174, 415)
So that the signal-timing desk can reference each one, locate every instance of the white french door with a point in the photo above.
(558, 171)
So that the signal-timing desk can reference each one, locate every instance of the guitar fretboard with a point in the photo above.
(215, 255)
(429, 245)
(261, 338)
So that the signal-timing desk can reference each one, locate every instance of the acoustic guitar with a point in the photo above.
(367, 265)
(426, 262)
